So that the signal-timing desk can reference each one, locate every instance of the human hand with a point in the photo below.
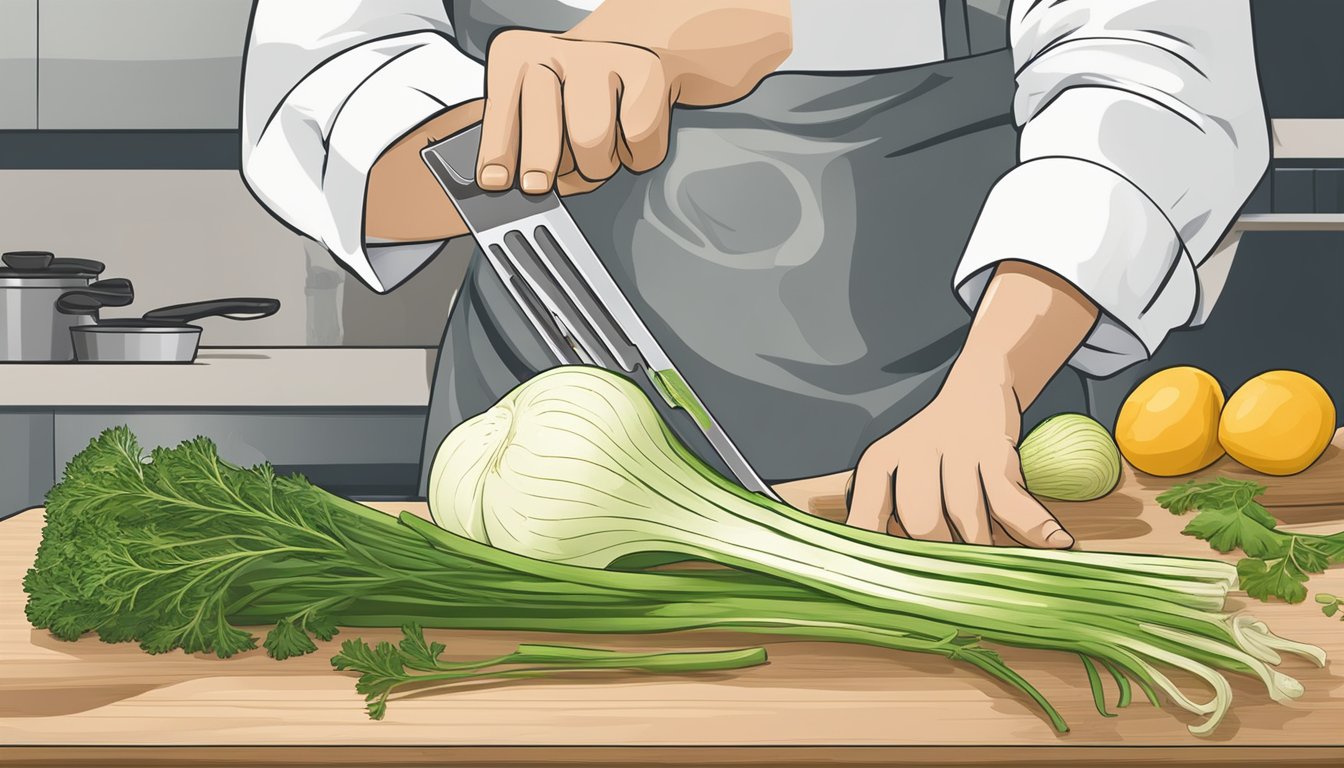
(558, 111)
(569, 110)
(952, 468)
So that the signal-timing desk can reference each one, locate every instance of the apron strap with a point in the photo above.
(956, 37)
(984, 25)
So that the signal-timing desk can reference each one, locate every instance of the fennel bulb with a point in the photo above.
(576, 467)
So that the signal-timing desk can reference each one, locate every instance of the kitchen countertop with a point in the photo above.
(93, 703)
(297, 377)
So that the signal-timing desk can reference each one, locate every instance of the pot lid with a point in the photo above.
(136, 325)
(44, 264)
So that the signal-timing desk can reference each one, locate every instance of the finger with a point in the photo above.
(645, 115)
(1021, 515)
(542, 118)
(566, 162)
(964, 500)
(590, 123)
(872, 500)
(497, 157)
(919, 502)
(574, 184)
(568, 181)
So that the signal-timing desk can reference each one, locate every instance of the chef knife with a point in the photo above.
(563, 289)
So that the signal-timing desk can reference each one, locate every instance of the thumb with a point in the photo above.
(1023, 517)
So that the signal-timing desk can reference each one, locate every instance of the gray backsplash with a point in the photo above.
(190, 235)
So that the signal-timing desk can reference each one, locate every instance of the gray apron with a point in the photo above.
(794, 255)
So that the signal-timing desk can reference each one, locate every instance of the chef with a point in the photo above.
(869, 232)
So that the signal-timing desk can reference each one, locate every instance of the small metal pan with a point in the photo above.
(163, 335)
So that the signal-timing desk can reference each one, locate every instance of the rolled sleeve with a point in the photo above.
(1143, 133)
(355, 88)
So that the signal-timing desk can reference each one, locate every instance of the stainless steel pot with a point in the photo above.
(31, 330)
(163, 335)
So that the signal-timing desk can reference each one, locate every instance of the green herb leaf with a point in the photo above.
(416, 652)
(1279, 579)
(322, 627)
(287, 640)
(1229, 528)
(1195, 494)
(1330, 604)
(1279, 563)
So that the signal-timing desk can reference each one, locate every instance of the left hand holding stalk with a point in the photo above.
(954, 466)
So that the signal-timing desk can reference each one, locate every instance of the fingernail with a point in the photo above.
(494, 176)
(535, 182)
(1059, 539)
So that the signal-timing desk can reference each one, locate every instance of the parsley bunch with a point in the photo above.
(1278, 563)
(179, 549)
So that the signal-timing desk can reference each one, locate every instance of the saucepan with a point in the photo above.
(30, 282)
(163, 335)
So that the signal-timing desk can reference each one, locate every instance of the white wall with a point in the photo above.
(190, 235)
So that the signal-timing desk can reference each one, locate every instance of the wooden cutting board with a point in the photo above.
(93, 703)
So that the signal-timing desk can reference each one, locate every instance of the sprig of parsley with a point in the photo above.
(1278, 563)
(1330, 604)
(385, 667)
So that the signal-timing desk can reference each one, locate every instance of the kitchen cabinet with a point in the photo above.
(370, 452)
(1294, 190)
(351, 420)
(1300, 60)
(362, 452)
(140, 64)
(18, 64)
(1310, 190)
(26, 467)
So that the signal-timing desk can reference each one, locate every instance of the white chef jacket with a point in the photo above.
(1142, 134)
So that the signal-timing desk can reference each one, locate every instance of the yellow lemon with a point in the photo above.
(1278, 422)
(1169, 423)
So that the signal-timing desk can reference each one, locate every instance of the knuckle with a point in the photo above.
(641, 164)
(919, 526)
(874, 462)
(964, 520)
(540, 73)
(647, 134)
(641, 63)
(513, 44)
(590, 139)
(596, 170)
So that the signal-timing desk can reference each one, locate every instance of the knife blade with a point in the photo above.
(551, 271)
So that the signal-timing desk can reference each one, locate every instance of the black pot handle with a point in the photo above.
(27, 261)
(116, 292)
(78, 265)
(234, 309)
(79, 303)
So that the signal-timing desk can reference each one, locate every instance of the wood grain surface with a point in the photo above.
(93, 703)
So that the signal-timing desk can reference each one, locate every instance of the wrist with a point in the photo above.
(710, 53)
(978, 378)
(1028, 324)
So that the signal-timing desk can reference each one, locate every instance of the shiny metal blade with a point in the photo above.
(567, 293)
